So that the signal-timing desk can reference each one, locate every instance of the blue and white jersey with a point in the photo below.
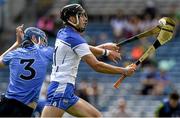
(27, 72)
(69, 48)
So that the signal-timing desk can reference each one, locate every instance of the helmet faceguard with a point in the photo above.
(75, 10)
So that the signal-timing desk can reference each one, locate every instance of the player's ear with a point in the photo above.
(72, 19)
(34, 40)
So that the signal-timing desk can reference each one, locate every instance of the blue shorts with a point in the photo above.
(61, 95)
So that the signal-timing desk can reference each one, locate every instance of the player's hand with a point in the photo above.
(19, 33)
(114, 56)
(129, 70)
(110, 46)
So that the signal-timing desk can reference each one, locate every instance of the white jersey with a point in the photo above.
(69, 48)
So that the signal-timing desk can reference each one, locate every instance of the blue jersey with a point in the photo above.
(27, 71)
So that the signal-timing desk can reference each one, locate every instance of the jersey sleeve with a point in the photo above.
(75, 40)
(7, 58)
(82, 50)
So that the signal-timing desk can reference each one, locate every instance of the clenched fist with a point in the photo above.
(129, 70)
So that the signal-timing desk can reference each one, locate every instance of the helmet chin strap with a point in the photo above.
(76, 24)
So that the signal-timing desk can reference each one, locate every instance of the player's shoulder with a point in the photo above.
(10, 54)
(70, 36)
(68, 33)
(48, 52)
(14, 52)
(45, 49)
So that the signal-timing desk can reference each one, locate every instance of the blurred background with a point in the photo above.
(109, 21)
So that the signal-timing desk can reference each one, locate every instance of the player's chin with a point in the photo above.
(85, 24)
(84, 27)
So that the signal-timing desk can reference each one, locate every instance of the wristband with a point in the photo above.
(106, 52)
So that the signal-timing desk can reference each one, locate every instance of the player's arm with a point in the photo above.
(98, 51)
(111, 54)
(19, 33)
(109, 46)
(84, 52)
(102, 67)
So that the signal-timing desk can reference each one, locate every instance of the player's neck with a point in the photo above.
(73, 28)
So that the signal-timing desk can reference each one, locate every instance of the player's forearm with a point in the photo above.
(101, 46)
(102, 67)
(108, 69)
(96, 51)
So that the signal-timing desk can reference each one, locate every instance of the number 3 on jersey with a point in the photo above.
(28, 67)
